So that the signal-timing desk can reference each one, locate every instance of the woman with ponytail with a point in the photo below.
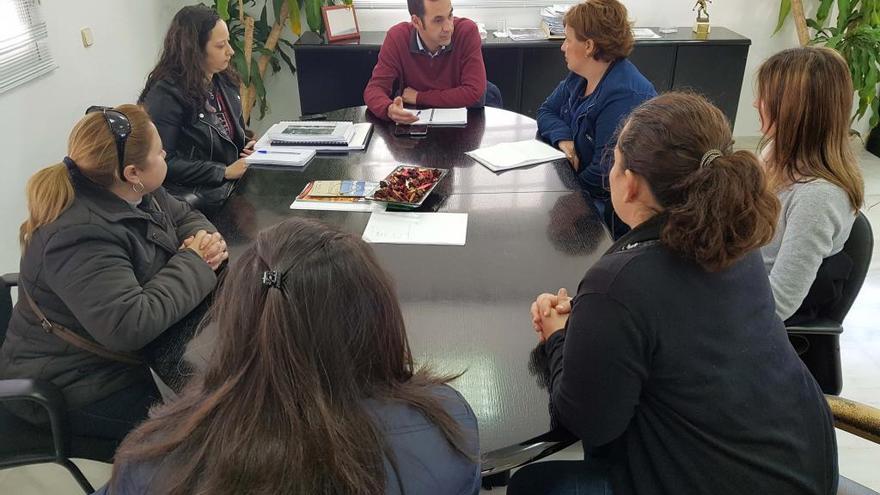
(804, 100)
(670, 363)
(311, 388)
(112, 273)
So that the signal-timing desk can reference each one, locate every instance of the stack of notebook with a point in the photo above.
(289, 137)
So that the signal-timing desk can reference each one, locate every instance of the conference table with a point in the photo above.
(466, 308)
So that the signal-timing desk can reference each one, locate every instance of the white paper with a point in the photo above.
(417, 228)
(505, 156)
(645, 34)
(366, 206)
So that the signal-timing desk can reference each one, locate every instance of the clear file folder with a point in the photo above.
(506, 156)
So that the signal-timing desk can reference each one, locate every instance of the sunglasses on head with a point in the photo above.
(120, 127)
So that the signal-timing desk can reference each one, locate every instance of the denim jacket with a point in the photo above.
(592, 121)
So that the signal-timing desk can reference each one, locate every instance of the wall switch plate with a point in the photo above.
(87, 38)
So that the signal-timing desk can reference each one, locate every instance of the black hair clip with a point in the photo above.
(272, 279)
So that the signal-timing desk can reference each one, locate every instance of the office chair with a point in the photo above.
(818, 340)
(22, 443)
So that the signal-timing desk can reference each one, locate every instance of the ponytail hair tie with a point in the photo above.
(709, 157)
(69, 163)
(271, 278)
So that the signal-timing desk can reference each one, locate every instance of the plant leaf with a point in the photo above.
(843, 14)
(824, 9)
(313, 15)
(287, 60)
(277, 6)
(223, 9)
(784, 10)
(293, 13)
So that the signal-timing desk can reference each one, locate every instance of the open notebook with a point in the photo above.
(505, 156)
(441, 116)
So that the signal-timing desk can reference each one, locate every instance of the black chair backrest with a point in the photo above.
(5, 308)
(859, 247)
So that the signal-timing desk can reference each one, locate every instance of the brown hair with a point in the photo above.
(280, 408)
(718, 211)
(807, 94)
(93, 147)
(606, 23)
(183, 55)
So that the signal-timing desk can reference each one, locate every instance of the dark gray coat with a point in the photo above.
(113, 273)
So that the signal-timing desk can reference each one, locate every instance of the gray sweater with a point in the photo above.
(814, 223)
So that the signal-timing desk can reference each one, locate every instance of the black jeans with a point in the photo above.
(589, 477)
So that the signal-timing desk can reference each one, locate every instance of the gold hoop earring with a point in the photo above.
(138, 187)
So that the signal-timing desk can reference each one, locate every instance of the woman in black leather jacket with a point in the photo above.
(192, 96)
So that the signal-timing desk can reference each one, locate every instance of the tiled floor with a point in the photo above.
(860, 349)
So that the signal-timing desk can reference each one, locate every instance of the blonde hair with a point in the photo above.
(93, 147)
(807, 94)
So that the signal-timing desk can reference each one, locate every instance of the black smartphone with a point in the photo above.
(313, 116)
(418, 130)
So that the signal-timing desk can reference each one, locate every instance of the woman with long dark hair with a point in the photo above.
(193, 97)
(670, 363)
(311, 388)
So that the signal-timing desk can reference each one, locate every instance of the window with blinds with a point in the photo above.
(24, 48)
(401, 4)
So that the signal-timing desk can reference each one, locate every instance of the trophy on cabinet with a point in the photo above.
(701, 27)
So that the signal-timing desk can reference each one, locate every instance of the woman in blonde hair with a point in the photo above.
(804, 100)
(110, 262)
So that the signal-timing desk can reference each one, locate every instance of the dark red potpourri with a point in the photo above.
(407, 184)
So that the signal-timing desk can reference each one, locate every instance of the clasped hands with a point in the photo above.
(209, 247)
(550, 313)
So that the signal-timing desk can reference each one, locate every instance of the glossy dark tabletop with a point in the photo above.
(466, 307)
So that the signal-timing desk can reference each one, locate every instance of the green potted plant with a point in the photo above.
(259, 45)
(249, 35)
(856, 35)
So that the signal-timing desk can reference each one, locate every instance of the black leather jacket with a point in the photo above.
(198, 150)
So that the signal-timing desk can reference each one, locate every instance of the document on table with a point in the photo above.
(505, 156)
(417, 228)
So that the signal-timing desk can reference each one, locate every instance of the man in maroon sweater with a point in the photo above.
(436, 61)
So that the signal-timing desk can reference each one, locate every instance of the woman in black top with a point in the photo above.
(192, 96)
(670, 363)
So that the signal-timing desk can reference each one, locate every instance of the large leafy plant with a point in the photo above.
(855, 34)
(259, 45)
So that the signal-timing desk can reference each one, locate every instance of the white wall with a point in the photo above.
(754, 19)
(35, 119)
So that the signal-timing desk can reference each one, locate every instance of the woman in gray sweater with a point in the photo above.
(804, 101)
